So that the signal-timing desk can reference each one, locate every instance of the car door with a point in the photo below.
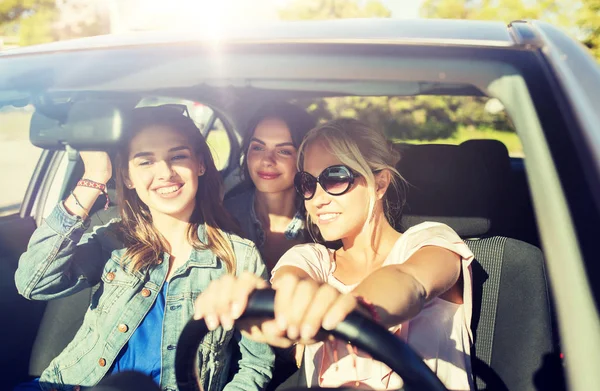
(25, 171)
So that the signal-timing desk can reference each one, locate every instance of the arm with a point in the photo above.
(257, 359)
(60, 260)
(399, 292)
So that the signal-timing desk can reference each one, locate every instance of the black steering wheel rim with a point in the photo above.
(358, 329)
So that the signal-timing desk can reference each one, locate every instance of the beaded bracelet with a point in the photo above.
(95, 185)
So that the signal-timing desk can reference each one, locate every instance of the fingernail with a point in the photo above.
(292, 332)
(328, 324)
(281, 323)
(236, 310)
(211, 322)
(226, 322)
(307, 332)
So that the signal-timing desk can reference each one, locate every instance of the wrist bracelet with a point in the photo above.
(95, 185)
(79, 205)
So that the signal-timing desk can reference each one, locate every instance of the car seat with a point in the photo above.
(514, 346)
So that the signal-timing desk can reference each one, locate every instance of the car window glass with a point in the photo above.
(220, 144)
(425, 119)
(199, 113)
(18, 157)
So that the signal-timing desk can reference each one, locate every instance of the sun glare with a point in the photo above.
(207, 17)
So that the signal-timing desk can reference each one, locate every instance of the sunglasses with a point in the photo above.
(335, 180)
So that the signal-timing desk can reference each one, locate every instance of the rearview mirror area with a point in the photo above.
(89, 125)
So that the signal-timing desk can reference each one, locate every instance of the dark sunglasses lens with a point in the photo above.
(305, 184)
(336, 180)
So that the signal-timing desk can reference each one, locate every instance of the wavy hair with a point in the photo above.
(366, 151)
(144, 243)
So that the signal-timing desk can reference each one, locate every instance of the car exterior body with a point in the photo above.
(548, 83)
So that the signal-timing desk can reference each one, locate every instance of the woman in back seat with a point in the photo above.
(416, 283)
(173, 238)
(269, 211)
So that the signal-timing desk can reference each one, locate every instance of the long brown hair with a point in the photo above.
(144, 243)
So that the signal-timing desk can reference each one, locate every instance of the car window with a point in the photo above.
(220, 144)
(18, 156)
(198, 112)
(425, 119)
(213, 129)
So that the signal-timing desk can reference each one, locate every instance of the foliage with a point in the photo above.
(557, 12)
(589, 23)
(419, 117)
(40, 21)
(13, 10)
(333, 9)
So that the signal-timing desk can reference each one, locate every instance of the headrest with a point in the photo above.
(459, 185)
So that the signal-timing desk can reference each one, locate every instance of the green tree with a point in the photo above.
(333, 9)
(41, 21)
(558, 12)
(30, 20)
(13, 10)
(589, 23)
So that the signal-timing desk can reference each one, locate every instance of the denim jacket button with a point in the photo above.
(110, 276)
(145, 292)
(102, 362)
(123, 328)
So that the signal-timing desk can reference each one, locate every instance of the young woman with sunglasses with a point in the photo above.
(416, 283)
(173, 237)
(269, 210)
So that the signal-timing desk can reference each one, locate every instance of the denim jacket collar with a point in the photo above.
(294, 230)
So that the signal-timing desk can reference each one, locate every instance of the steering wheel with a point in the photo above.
(357, 329)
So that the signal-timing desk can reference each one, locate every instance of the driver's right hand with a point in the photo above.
(302, 307)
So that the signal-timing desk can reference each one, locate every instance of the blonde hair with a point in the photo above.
(366, 151)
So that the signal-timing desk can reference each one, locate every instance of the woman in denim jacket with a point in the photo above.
(173, 237)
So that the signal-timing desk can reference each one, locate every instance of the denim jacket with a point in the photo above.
(61, 260)
(241, 207)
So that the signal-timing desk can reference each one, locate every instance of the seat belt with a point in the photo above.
(489, 252)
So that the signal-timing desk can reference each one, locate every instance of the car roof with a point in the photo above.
(417, 31)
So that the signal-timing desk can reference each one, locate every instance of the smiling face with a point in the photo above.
(271, 157)
(337, 217)
(163, 169)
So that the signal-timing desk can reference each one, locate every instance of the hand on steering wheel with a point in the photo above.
(358, 329)
(302, 307)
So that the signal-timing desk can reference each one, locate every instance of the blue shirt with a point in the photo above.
(241, 207)
(142, 351)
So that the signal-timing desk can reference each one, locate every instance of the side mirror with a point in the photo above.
(89, 125)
